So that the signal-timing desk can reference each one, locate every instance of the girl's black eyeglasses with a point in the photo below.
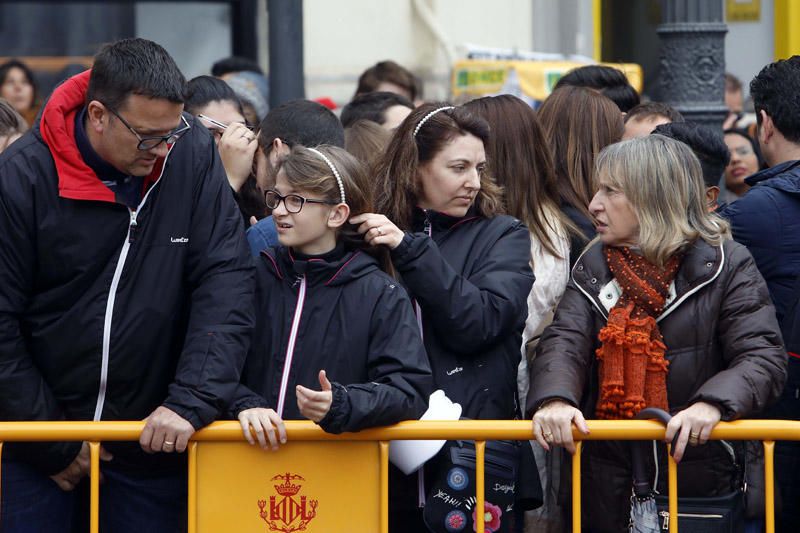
(293, 202)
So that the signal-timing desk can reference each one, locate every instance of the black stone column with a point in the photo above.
(692, 73)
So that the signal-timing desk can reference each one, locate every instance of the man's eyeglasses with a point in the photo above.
(150, 142)
(293, 202)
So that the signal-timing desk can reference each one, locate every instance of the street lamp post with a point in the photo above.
(286, 78)
(692, 60)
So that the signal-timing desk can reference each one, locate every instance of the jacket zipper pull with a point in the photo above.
(427, 227)
(133, 226)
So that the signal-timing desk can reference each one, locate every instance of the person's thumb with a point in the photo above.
(253, 221)
(323, 381)
(105, 455)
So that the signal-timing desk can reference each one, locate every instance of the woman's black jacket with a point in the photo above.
(471, 277)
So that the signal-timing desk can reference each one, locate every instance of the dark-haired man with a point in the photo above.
(383, 108)
(767, 220)
(127, 291)
(710, 149)
(296, 122)
(643, 119)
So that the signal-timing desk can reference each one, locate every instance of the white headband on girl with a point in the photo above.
(335, 172)
(429, 115)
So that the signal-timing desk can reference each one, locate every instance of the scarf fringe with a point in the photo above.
(631, 358)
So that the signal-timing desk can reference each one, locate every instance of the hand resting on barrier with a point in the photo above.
(263, 422)
(694, 424)
(552, 425)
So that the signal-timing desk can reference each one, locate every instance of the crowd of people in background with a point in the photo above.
(210, 258)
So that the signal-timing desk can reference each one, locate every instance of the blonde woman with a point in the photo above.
(662, 310)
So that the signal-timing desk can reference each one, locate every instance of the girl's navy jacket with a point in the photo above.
(342, 314)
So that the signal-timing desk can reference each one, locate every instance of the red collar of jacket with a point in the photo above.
(76, 180)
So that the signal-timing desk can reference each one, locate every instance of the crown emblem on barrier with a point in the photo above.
(287, 488)
(287, 513)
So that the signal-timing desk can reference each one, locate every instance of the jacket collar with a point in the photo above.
(333, 269)
(701, 265)
(772, 172)
(76, 179)
(439, 221)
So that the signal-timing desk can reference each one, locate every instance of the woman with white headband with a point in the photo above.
(336, 341)
(466, 265)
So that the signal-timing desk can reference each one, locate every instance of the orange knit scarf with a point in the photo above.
(632, 368)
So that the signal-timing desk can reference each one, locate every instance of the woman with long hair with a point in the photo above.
(220, 111)
(465, 264)
(578, 122)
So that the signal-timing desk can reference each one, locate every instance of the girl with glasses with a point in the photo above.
(336, 341)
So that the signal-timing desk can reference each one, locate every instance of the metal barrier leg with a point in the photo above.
(480, 508)
(192, 489)
(576, 487)
(1, 478)
(384, 447)
(672, 478)
(94, 487)
(769, 485)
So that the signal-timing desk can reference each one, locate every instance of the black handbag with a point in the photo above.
(450, 503)
(712, 514)
(720, 514)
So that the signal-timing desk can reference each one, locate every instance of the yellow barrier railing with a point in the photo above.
(480, 431)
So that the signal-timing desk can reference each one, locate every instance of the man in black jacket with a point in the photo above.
(127, 290)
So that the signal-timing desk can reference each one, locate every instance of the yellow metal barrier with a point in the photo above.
(480, 431)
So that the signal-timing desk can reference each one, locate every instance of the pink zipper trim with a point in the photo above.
(342, 268)
(274, 263)
(287, 365)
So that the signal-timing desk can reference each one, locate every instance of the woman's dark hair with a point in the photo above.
(397, 183)
(519, 159)
(391, 72)
(134, 66)
(203, 90)
(367, 141)
(578, 122)
(762, 164)
(610, 81)
(11, 122)
(10, 65)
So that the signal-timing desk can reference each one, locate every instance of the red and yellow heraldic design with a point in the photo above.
(309, 487)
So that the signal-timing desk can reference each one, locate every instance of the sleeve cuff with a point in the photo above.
(334, 420)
